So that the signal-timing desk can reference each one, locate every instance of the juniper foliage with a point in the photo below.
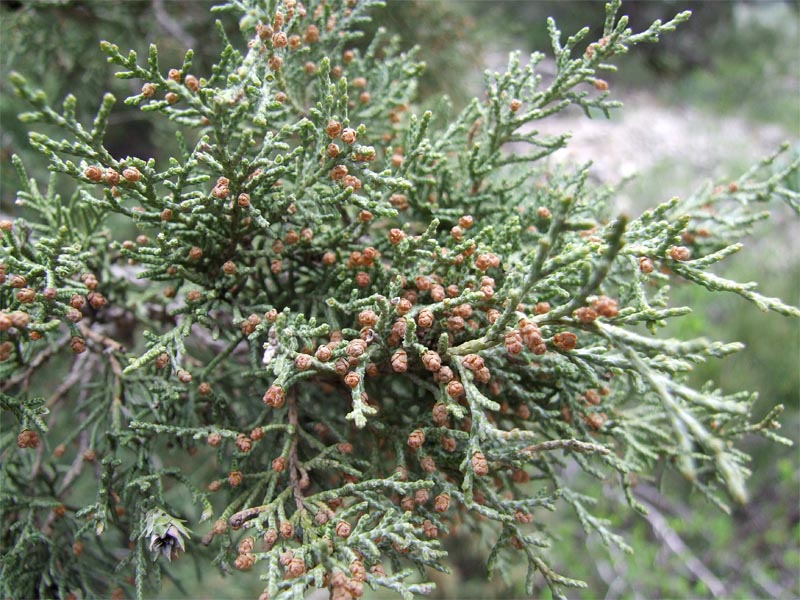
(346, 330)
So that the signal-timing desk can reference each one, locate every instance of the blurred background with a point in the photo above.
(704, 104)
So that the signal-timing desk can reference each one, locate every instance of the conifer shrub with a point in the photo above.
(344, 332)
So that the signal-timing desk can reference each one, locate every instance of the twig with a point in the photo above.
(772, 589)
(77, 464)
(677, 546)
(297, 475)
(204, 336)
(652, 495)
(75, 373)
(238, 519)
(610, 572)
(170, 25)
(37, 362)
(83, 444)
(109, 343)
(116, 368)
(574, 445)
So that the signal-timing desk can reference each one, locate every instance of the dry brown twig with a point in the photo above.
(297, 474)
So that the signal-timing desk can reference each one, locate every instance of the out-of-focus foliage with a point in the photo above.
(55, 42)
(734, 56)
